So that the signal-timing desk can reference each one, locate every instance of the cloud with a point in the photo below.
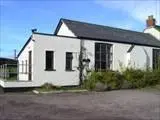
(138, 10)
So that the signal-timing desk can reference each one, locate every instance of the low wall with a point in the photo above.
(17, 84)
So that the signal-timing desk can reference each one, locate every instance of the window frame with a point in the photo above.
(71, 61)
(108, 60)
(47, 68)
(155, 59)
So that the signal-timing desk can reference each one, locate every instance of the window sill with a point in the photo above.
(50, 69)
(69, 70)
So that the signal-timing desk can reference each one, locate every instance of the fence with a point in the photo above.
(14, 71)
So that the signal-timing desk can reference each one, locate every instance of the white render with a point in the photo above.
(154, 32)
(23, 57)
(61, 45)
(138, 57)
(65, 31)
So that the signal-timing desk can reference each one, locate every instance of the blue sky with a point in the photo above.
(18, 17)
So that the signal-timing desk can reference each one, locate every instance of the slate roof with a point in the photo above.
(105, 33)
(4, 60)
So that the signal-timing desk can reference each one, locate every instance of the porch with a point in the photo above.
(16, 76)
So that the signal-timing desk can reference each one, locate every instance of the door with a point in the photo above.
(30, 65)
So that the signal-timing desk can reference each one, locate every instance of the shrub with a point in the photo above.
(49, 86)
(92, 79)
(128, 78)
(135, 77)
(111, 79)
(152, 78)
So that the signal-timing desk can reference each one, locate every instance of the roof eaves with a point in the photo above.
(43, 34)
(58, 26)
(105, 40)
(8, 58)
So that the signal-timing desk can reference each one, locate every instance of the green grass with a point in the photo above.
(49, 87)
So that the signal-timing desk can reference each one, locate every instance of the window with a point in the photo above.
(156, 58)
(103, 56)
(49, 60)
(69, 58)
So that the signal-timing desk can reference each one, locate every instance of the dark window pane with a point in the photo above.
(69, 58)
(97, 47)
(49, 60)
(156, 58)
(103, 65)
(103, 48)
(102, 56)
(97, 56)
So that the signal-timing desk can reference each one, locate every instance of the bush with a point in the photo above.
(49, 86)
(110, 79)
(137, 78)
(92, 79)
(129, 78)
(134, 77)
(113, 80)
(152, 78)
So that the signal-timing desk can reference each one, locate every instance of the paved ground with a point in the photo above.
(114, 105)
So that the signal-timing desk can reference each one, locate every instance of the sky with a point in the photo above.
(18, 17)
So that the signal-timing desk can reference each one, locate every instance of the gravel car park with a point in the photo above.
(114, 105)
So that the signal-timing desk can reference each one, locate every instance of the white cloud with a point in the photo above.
(139, 10)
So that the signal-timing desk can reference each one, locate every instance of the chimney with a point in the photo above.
(34, 30)
(150, 21)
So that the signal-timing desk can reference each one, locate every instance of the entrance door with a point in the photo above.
(30, 65)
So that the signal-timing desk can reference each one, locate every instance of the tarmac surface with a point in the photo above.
(113, 105)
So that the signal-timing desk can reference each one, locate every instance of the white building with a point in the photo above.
(56, 58)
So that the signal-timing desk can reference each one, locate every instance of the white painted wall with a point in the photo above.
(141, 57)
(60, 45)
(16, 84)
(65, 31)
(137, 57)
(23, 57)
(155, 33)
